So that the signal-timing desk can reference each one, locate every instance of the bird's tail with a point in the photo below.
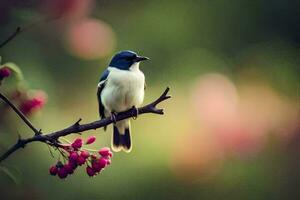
(121, 139)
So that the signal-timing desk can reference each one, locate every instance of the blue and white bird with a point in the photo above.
(121, 87)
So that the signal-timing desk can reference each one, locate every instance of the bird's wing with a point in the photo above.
(101, 86)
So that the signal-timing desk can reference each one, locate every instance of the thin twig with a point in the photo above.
(19, 29)
(21, 115)
(52, 138)
(12, 36)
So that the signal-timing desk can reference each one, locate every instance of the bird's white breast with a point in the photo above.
(123, 89)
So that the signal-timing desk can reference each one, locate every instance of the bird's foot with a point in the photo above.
(135, 112)
(113, 117)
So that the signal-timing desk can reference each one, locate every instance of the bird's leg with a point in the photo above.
(113, 117)
(135, 112)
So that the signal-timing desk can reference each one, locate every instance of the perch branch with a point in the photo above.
(52, 138)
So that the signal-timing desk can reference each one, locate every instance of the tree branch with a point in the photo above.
(12, 36)
(52, 138)
(21, 115)
(19, 29)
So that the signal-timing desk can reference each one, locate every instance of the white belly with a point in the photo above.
(123, 90)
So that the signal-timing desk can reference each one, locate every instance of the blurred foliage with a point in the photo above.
(229, 132)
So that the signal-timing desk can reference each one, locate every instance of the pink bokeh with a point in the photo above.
(229, 121)
(90, 39)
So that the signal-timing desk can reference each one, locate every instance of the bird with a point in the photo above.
(121, 87)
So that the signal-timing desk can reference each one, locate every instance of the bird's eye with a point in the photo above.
(130, 58)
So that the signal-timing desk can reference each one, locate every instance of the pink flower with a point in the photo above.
(90, 171)
(73, 156)
(79, 157)
(91, 140)
(62, 173)
(33, 104)
(99, 164)
(96, 166)
(53, 170)
(69, 168)
(81, 160)
(85, 154)
(77, 144)
(105, 152)
(73, 164)
(4, 72)
(102, 162)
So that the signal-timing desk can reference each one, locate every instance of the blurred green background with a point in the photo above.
(229, 132)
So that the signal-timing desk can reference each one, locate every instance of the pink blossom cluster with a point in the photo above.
(77, 156)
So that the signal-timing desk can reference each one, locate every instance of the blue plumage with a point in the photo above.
(123, 60)
(104, 75)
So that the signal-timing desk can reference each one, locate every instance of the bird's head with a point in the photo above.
(125, 59)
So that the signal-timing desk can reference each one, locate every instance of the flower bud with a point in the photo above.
(91, 140)
(77, 144)
(90, 171)
(69, 168)
(62, 173)
(33, 104)
(96, 166)
(73, 156)
(102, 162)
(105, 151)
(81, 160)
(53, 170)
(4, 72)
(73, 163)
(85, 154)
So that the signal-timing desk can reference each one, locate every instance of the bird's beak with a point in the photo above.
(140, 58)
